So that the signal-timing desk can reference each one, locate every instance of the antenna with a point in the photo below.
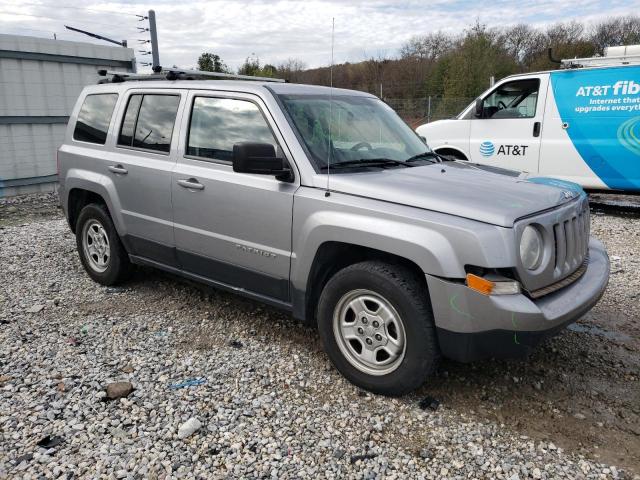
(123, 43)
(330, 149)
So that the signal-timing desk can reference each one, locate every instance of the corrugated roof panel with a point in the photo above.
(63, 47)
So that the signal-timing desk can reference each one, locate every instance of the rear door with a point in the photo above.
(141, 166)
(230, 227)
(507, 133)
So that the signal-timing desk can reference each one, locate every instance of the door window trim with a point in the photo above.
(124, 113)
(227, 97)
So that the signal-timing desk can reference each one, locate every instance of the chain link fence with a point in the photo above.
(416, 111)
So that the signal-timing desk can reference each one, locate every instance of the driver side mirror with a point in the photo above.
(260, 159)
(479, 107)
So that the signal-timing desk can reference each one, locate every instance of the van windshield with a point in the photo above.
(349, 129)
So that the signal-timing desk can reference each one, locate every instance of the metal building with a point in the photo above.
(40, 80)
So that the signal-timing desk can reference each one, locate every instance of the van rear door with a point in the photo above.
(506, 131)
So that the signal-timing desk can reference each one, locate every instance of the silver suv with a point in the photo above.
(324, 203)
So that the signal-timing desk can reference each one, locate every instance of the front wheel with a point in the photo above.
(376, 325)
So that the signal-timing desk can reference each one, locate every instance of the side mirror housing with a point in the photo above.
(479, 107)
(260, 159)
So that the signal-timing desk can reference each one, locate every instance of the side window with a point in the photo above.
(148, 122)
(218, 123)
(512, 100)
(94, 118)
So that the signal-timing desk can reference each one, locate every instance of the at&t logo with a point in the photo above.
(487, 149)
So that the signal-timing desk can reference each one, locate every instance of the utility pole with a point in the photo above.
(153, 32)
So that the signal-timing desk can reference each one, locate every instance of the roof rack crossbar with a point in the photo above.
(600, 61)
(179, 74)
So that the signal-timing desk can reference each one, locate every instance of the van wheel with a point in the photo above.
(101, 251)
(376, 325)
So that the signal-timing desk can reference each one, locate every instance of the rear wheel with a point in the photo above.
(376, 324)
(101, 251)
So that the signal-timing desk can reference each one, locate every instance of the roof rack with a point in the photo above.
(613, 56)
(161, 73)
(601, 61)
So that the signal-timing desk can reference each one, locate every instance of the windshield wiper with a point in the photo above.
(366, 162)
(425, 156)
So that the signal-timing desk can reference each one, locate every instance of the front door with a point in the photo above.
(507, 132)
(233, 228)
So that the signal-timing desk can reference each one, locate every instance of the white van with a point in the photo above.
(580, 123)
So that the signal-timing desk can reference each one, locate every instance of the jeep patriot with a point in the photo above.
(323, 202)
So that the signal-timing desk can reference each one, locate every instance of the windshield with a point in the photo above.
(362, 128)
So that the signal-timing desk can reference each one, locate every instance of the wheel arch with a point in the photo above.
(452, 151)
(333, 256)
(85, 187)
(78, 199)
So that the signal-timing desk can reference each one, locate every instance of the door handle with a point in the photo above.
(191, 184)
(536, 129)
(119, 169)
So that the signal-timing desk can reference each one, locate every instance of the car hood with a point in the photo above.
(478, 192)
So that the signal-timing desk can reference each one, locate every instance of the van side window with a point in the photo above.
(218, 123)
(516, 99)
(94, 118)
(148, 122)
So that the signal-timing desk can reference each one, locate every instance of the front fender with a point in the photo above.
(439, 244)
(452, 134)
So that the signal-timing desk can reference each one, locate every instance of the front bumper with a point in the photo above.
(472, 326)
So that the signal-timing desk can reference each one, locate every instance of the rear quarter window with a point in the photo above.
(94, 118)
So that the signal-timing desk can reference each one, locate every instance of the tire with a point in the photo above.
(349, 297)
(101, 252)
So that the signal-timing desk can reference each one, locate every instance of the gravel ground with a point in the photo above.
(268, 402)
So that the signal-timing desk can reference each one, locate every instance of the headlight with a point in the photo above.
(531, 248)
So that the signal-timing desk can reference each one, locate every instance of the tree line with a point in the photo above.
(454, 65)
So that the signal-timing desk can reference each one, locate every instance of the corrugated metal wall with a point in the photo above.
(40, 80)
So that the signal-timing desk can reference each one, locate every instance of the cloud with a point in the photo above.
(277, 30)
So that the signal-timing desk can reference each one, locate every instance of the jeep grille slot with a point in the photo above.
(571, 239)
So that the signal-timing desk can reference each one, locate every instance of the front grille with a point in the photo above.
(566, 236)
(571, 237)
(562, 283)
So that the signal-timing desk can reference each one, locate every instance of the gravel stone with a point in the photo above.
(118, 390)
(191, 426)
(274, 408)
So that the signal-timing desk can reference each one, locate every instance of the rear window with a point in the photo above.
(94, 118)
(148, 122)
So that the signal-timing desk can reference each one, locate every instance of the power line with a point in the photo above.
(50, 33)
(110, 12)
(60, 19)
(59, 35)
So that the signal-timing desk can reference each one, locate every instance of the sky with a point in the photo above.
(277, 30)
